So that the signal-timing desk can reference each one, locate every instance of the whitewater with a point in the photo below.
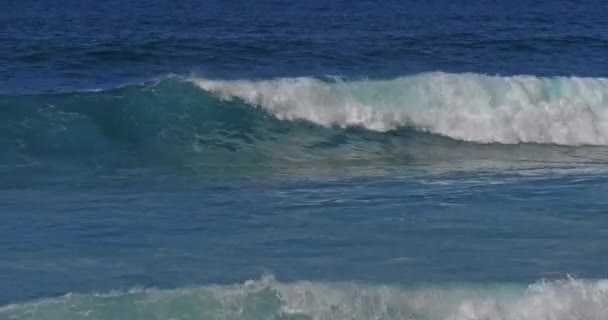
(469, 107)
(268, 298)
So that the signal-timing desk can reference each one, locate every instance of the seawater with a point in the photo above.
(273, 160)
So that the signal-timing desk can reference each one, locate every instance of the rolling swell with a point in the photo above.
(269, 299)
(172, 122)
(422, 117)
(168, 120)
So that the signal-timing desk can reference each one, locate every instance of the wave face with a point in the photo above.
(269, 299)
(194, 121)
(469, 107)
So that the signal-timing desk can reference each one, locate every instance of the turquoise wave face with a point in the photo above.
(269, 299)
(136, 122)
(296, 124)
(174, 124)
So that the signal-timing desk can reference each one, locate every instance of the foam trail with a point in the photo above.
(470, 107)
(270, 299)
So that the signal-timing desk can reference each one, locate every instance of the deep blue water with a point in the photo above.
(436, 160)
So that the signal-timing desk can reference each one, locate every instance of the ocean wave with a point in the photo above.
(267, 298)
(469, 107)
(310, 122)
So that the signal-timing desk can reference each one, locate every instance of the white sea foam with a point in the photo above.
(470, 107)
(267, 298)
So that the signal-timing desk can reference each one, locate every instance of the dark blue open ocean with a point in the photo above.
(303, 160)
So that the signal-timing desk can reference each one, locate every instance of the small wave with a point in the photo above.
(469, 107)
(268, 298)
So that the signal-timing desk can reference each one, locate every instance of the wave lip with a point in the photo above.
(268, 298)
(469, 107)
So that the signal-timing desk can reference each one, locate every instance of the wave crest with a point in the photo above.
(469, 107)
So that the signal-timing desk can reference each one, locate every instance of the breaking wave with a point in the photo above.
(200, 122)
(268, 298)
(469, 107)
